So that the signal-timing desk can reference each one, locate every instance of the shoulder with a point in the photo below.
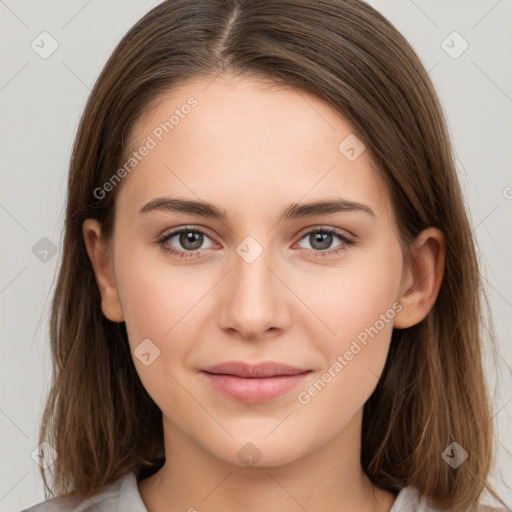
(409, 500)
(122, 495)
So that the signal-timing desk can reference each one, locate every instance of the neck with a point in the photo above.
(329, 478)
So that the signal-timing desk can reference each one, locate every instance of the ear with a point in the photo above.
(103, 270)
(421, 281)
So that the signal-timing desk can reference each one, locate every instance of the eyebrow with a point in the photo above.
(293, 211)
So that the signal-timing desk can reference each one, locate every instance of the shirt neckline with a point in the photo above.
(130, 500)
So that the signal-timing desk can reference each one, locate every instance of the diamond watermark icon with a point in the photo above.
(44, 455)
(351, 147)
(249, 249)
(249, 454)
(454, 45)
(44, 45)
(454, 455)
(146, 352)
(44, 249)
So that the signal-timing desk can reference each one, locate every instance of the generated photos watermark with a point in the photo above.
(157, 135)
(356, 346)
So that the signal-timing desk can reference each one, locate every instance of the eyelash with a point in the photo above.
(346, 242)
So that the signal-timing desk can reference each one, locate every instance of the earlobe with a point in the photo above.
(102, 266)
(421, 281)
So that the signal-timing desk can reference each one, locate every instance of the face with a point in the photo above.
(312, 289)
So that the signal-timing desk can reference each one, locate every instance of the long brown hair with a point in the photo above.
(432, 392)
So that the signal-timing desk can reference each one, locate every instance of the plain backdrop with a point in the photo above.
(466, 46)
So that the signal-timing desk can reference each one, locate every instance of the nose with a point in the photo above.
(255, 298)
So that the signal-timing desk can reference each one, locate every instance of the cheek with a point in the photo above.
(160, 309)
(158, 300)
(353, 357)
(355, 296)
(357, 307)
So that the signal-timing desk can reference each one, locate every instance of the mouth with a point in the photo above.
(254, 383)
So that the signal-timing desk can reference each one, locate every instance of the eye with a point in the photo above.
(190, 239)
(321, 239)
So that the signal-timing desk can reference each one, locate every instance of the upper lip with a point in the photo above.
(246, 370)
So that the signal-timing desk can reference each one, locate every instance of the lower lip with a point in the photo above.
(254, 390)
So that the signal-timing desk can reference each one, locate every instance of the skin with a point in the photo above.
(252, 149)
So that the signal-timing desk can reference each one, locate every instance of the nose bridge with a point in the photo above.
(254, 302)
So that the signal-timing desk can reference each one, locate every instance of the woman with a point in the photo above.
(262, 302)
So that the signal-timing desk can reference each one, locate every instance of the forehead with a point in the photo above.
(243, 140)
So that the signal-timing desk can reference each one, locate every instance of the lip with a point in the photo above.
(246, 370)
(254, 383)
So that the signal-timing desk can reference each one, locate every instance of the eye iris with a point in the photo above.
(195, 239)
(324, 238)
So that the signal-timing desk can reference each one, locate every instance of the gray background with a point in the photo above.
(42, 99)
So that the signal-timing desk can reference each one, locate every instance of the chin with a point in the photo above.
(259, 452)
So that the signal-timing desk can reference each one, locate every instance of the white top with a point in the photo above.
(123, 496)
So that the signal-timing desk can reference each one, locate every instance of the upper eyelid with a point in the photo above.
(176, 231)
(336, 231)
